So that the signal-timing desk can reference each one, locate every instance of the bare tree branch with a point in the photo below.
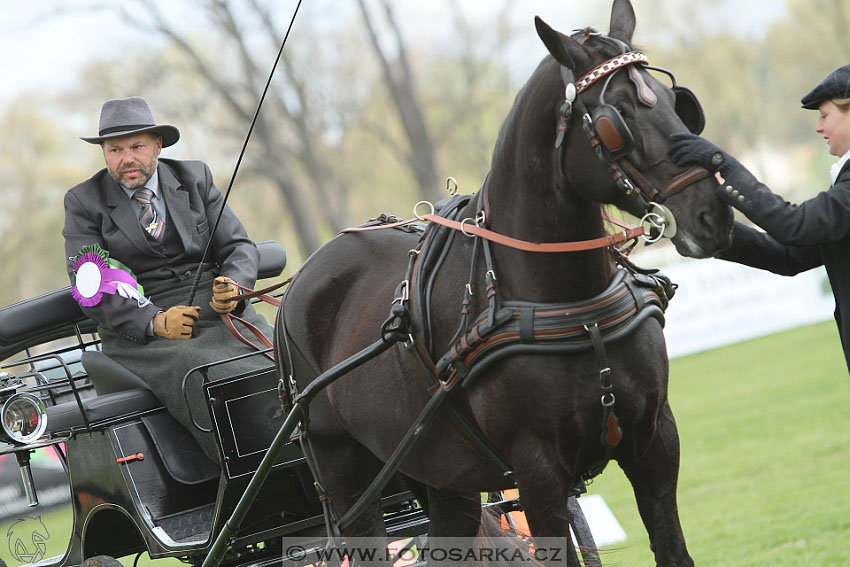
(421, 156)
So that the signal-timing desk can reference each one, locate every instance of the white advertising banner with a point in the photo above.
(720, 303)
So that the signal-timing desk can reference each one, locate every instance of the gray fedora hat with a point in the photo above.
(126, 116)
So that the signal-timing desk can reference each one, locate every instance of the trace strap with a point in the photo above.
(602, 242)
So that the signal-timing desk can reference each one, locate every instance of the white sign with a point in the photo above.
(720, 303)
(603, 525)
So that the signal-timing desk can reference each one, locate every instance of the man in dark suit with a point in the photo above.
(801, 236)
(151, 218)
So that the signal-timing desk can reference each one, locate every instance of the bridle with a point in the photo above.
(610, 137)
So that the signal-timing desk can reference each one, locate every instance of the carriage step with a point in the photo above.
(191, 525)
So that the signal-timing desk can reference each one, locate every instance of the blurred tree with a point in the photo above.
(398, 76)
(227, 73)
(31, 215)
(750, 84)
(316, 104)
(804, 48)
(368, 113)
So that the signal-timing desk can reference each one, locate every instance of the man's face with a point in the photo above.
(131, 160)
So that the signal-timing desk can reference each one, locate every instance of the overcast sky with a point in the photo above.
(42, 48)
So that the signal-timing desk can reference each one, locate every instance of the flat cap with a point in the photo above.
(836, 85)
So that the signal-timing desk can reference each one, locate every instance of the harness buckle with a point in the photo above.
(403, 293)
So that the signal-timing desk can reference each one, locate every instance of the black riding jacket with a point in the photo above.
(799, 237)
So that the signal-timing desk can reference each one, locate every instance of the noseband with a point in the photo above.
(611, 138)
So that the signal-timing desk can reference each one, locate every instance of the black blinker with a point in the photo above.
(613, 132)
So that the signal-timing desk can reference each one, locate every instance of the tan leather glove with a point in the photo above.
(176, 323)
(223, 289)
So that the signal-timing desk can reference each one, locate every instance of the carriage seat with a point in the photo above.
(67, 415)
(108, 376)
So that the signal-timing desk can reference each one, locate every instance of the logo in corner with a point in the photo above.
(27, 539)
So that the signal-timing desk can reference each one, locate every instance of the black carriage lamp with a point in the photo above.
(24, 420)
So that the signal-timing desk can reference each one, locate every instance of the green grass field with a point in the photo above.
(765, 453)
(765, 456)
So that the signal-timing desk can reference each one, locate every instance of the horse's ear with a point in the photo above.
(565, 50)
(622, 20)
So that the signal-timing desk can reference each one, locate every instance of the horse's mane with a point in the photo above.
(519, 107)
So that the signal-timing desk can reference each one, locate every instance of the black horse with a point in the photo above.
(560, 372)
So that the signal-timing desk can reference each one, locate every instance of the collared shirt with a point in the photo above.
(158, 202)
(836, 167)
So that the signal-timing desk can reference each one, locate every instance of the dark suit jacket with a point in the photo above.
(97, 211)
(800, 237)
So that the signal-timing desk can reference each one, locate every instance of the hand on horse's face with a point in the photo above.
(690, 149)
(735, 180)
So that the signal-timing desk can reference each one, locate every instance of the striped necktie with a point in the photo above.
(150, 221)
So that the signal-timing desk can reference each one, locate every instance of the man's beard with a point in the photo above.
(147, 173)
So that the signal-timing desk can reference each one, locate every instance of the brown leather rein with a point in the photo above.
(229, 318)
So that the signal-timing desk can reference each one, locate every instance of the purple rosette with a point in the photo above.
(94, 277)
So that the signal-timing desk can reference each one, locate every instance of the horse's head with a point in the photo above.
(611, 123)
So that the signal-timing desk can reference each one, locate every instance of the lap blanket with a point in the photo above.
(163, 363)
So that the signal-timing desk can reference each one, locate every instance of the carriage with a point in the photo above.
(511, 343)
(139, 483)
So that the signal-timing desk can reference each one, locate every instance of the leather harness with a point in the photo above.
(507, 327)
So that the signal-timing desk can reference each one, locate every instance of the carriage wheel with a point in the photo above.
(101, 561)
(586, 547)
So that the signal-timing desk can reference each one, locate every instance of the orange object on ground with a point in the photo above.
(518, 518)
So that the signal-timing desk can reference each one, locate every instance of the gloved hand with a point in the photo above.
(176, 323)
(224, 288)
(690, 149)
